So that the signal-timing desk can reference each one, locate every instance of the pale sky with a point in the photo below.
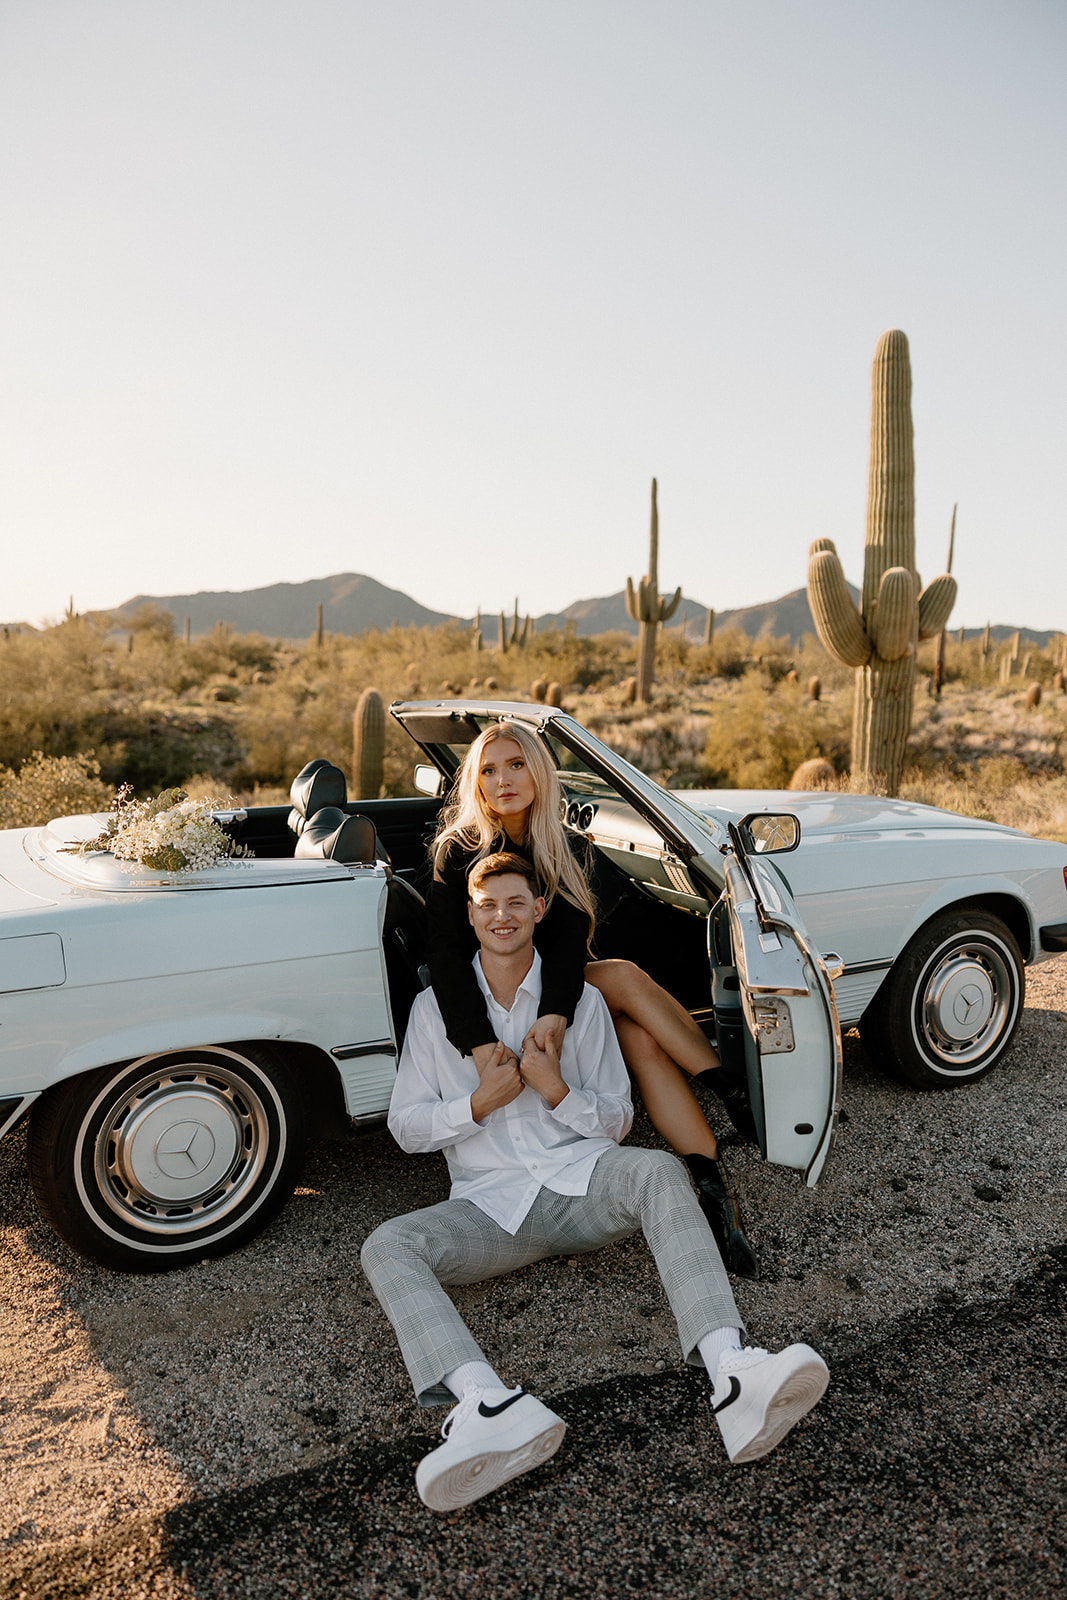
(431, 289)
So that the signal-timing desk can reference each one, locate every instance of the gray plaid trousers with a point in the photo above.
(408, 1259)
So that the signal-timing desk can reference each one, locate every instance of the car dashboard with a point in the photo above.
(634, 847)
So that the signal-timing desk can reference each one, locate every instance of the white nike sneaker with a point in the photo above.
(758, 1396)
(492, 1436)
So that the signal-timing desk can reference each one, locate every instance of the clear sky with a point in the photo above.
(431, 289)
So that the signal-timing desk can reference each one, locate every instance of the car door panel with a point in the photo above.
(781, 1012)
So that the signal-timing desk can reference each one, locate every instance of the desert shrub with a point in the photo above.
(222, 653)
(157, 749)
(51, 786)
(998, 789)
(758, 737)
(151, 619)
(728, 655)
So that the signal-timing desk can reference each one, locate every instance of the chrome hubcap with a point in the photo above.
(967, 1004)
(181, 1148)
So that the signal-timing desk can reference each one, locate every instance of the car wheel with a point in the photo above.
(951, 1003)
(158, 1162)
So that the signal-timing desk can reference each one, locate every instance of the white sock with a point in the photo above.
(714, 1346)
(472, 1375)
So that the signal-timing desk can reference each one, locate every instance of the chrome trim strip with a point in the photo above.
(349, 1052)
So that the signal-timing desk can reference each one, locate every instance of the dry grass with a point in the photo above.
(239, 714)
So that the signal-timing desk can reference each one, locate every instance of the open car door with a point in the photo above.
(775, 1015)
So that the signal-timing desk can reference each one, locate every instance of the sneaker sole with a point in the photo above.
(468, 1480)
(803, 1388)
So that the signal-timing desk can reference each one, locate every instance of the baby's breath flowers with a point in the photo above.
(168, 834)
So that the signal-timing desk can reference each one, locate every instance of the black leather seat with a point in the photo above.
(318, 784)
(331, 835)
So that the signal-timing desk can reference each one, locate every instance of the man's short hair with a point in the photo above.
(499, 865)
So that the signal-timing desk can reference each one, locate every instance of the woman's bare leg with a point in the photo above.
(674, 1111)
(631, 993)
(671, 1104)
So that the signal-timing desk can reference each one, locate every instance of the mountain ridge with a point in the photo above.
(353, 602)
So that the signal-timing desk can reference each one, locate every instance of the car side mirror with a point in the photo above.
(428, 780)
(767, 833)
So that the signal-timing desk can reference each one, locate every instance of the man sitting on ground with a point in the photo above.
(533, 1151)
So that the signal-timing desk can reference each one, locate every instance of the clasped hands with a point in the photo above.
(502, 1075)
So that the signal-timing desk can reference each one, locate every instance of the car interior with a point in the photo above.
(649, 910)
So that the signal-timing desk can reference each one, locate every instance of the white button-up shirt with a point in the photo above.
(502, 1162)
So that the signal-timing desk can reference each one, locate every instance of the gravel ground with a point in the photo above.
(245, 1427)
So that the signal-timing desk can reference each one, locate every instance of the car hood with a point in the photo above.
(832, 813)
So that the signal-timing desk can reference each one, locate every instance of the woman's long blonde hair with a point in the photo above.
(467, 821)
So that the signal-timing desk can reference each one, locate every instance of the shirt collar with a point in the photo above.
(531, 984)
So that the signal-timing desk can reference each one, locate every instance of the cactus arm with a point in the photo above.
(631, 601)
(894, 616)
(935, 605)
(837, 622)
(667, 608)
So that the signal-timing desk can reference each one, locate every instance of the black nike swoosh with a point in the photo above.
(494, 1411)
(735, 1390)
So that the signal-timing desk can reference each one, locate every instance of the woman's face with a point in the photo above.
(506, 784)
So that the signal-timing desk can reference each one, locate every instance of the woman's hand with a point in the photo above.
(542, 1028)
(483, 1054)
(540, 1070)
(498, 1081)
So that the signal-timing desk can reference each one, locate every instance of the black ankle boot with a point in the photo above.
(732, 1094)
(719, 1204)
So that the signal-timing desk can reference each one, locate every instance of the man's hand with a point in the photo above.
(499, 1081)
(540, 1069)
(542, 1028)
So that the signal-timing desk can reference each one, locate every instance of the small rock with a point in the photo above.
(999, 1164)
(982, 1191)
(899, 1184)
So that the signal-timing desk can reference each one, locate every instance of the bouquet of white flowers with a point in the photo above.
(168, 834)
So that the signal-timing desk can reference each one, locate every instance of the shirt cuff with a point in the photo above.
(458, 1118)
(575, 1108)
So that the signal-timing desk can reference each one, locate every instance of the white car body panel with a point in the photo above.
(139, 962)
(869, 873)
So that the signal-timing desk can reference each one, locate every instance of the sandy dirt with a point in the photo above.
(125, 1399)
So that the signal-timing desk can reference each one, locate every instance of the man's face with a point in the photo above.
(504, 912)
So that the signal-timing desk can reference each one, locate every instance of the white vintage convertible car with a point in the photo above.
(175, 1038)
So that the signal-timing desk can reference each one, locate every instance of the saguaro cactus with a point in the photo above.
(368, 746)
(647, 606)
(880, 639)
(939, 652)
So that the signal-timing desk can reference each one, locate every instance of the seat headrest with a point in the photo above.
(330, 835)
(316, 785)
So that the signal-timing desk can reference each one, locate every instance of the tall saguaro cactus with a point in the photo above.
(880, 639)
(648, 607)
(368, 746)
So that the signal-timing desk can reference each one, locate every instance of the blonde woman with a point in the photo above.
(507, 796)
